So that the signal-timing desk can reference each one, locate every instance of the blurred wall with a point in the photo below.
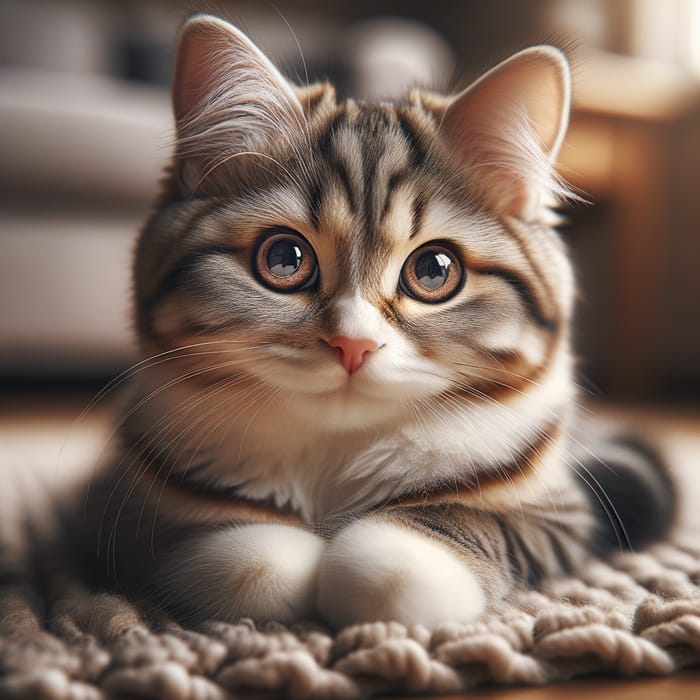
(84, 86)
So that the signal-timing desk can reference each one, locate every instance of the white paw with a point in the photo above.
(375, 570)
(267, 572)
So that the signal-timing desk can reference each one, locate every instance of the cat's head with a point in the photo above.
(358, 261)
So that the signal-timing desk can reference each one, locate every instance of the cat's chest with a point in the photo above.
(331, 475)
(323, 470)
(328, 476)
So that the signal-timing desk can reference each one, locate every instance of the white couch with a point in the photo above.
(81, 158)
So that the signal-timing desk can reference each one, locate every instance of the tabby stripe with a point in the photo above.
(195, 500)
(510, 549)
(532, 262)
(461, 539)
(388, 309)
(528, 551)
(534, 567)
(208, 207)
(502, 537)
(371, 159)
(559, 552)
(183, 229)
(172, 218)
(342, 173)
(580, 535)
(314, 204)
(394, 182)
(521, 466)
(498, 390)
(527, 565)
(437, 528)
(522, 288)
(416, 147)
(324, 144)
(183, 266)
(325, 140)
(417, 215)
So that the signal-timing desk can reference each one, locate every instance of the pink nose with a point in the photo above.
(352, 351)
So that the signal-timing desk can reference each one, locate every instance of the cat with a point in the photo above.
(358, 398)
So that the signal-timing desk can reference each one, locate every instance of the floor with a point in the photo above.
(685, 686)
(53, 441)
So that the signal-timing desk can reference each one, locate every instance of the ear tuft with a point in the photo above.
(507, 129)
(228, 98)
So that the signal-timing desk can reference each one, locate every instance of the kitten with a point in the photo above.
(358, 398)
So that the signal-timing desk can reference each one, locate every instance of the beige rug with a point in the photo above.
(640, 613)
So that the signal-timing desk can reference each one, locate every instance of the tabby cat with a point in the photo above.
(358, 400)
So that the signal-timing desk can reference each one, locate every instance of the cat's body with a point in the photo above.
(359, 397)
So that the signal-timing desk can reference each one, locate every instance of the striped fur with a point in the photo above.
(255, 476)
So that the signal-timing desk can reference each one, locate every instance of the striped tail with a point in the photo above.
(631, 492)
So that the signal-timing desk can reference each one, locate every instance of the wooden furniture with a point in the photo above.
(625, 147)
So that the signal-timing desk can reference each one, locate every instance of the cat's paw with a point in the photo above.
(266, 572)
(376, 570)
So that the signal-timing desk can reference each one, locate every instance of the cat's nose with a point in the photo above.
(353, 351)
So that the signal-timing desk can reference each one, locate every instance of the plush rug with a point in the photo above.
(637, 614)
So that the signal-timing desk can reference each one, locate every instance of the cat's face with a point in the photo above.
(357, 262)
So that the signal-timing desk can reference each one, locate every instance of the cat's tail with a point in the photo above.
(631, 491)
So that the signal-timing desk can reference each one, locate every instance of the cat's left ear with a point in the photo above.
(507, 129)
(228, 99)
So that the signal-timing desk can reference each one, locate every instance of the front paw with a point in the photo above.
(376, 570)
(266, 572)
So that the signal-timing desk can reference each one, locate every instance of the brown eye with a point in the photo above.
(285, 262)
(431, 274)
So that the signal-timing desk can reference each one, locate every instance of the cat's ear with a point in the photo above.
(507, 129)
(228, 98)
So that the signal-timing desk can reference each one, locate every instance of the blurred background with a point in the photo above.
(85, 130)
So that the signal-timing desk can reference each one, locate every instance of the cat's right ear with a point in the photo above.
(229, 101)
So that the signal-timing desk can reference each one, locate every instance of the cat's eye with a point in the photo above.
(285, 262)
(432, 273)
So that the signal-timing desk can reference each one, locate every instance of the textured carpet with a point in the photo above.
(640, 613)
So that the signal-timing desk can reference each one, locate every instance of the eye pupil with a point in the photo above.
(284, 258)
(433, 273)
(432, 269)
(284, 261)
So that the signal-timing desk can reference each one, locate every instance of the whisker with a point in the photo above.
(130, 413)
(129, 373)
(172, 463)
(169, 458)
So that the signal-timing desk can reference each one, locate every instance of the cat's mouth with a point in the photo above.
(315, 377)
(356, 386)
(376, 383)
